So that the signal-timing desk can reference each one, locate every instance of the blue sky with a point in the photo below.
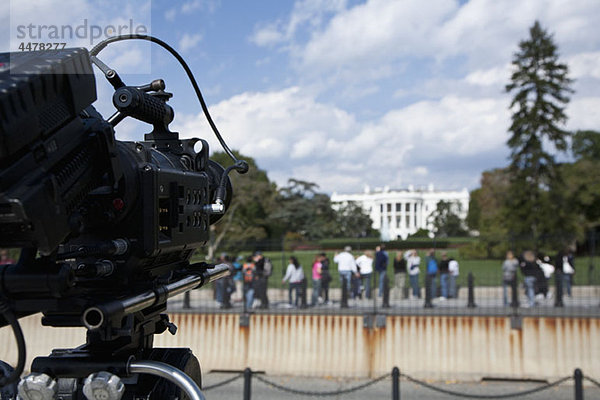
(344, 93)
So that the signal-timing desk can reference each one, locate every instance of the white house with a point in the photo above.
(399, 213)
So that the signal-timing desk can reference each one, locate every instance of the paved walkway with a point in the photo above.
(382, 390)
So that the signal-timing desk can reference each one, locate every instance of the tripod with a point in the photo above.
(118, 359)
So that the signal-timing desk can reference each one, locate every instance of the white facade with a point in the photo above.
(399, 213)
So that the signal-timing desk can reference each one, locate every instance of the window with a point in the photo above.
(398, 207)
(398, 220)
(389, 207)
(407, 207)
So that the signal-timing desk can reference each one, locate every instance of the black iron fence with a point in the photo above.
(394, 378)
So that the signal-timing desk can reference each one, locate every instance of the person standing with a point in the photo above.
(250, 279)
(413, 262)
(346, 266)
(238, 278)
(529, 268)
(432, 270)
(546, 270)
(317, 271)
(399, 274)
(365, 265)
(295, 275)
(264, 268)
(325, 277)
(509, 274)
(381, 263)
(454, 272)
(444, 269)
(565, 264)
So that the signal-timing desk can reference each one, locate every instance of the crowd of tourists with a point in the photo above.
(537, 269)
(364, 274)
(358, 274)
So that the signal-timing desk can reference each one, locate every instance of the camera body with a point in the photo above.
(108, 218)
(106, 228)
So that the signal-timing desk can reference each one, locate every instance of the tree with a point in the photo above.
(247, 217)
(301, 209)
(586, 145)
(488, 213)
(446, 221)
(581, 179)
(352, 221)
(541, 88)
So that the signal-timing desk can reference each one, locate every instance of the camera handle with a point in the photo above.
(169, 373)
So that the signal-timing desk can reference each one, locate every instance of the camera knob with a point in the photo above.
(37, 386)
(103, 386)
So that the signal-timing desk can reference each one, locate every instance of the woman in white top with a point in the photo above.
(413, 260)
(295, 275)
(365, 264)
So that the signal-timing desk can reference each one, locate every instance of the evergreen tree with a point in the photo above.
(541, 88)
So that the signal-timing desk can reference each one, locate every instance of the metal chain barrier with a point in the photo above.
(222, 383)
(595, 382)
(486, 396)
(321, 394)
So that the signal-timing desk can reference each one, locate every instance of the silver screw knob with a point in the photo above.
(103, 386)
(37, 386)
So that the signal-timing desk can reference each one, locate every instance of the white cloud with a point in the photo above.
(380, 34)
(171, 14)
(583, 113)
(188, 41)
(293, 135)
(203, 5)
(585, 64)
(497, 76)
(306, 13)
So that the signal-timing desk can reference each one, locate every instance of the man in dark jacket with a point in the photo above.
(381, 263)
(529, 268)
(263, 271)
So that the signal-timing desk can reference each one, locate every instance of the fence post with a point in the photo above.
(186, 300)
(428, 293)
(578, 375)
(471, 284)
(247, 384)
(395, 383)
(386, 292)
(344, 303)
(514, 287)
(558, 279)
(304, 288)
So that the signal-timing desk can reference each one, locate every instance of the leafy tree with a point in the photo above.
(303, 210)
(581, 179)
(446, 221)
(247, 217)
(487, 212)
(541, 88)
(586, 145)
(352, 221)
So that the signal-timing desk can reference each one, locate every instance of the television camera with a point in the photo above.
(106, 228)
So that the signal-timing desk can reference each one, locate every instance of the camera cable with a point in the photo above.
(239, 165)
